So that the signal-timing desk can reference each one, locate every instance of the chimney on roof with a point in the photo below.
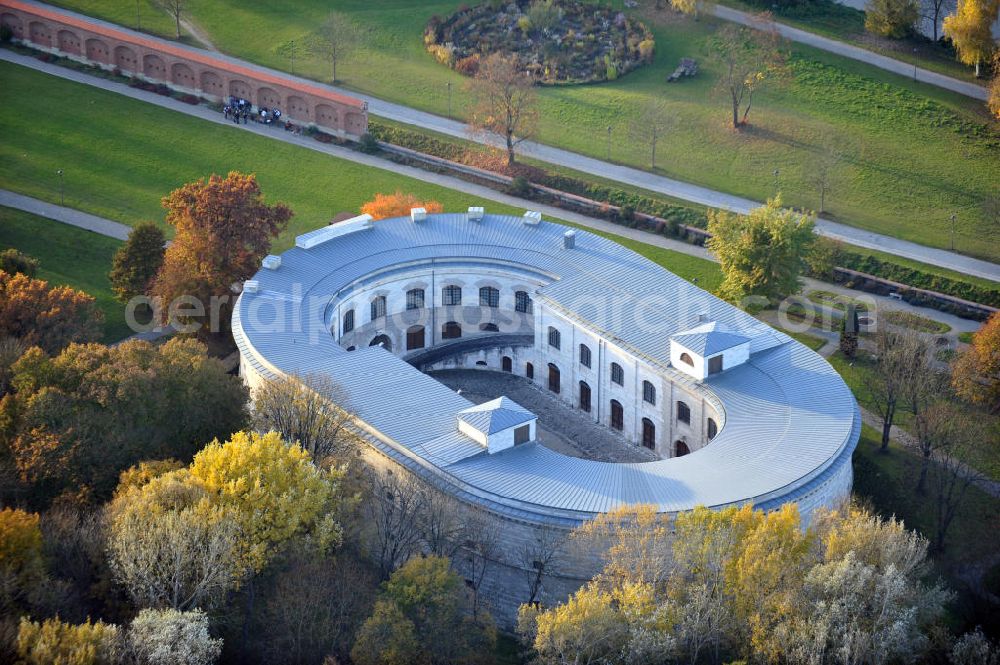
(418, 214)
(569, 240)
(475, 213)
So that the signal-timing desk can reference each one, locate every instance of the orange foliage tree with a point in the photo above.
(976, 373)
(385, 206)
(47, 316)
(223, 230)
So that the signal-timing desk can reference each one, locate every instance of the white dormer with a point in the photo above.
(708, 349)
(498, 424)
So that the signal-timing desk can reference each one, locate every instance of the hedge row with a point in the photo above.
(675, 216)
(918, 278)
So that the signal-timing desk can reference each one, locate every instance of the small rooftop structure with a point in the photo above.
(708, 349)
(498, 424)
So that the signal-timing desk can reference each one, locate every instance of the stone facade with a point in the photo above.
(180, 67)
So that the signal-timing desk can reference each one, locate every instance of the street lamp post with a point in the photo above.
(953, 218)
(62, 197)
(609, 143)
(776, 173)
(449, 99)
(138, 16)
(914, 65)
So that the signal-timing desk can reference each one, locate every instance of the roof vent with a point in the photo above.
(475, 213)
(327, 233)
(271, 262)
(532, 218)
(702, 317)
(569, 240)
(251, 286)
(418, 214)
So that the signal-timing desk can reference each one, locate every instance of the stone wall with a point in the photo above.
(180, 67)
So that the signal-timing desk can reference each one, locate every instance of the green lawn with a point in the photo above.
(69, 256)
(900, 140)
(121, 156)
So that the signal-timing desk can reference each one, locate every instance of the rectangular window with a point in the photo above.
(617, 374)
(522, 434)
(585, 355)
(378, 308)
(522, 302)
(451, 295)
(415, 299)
(715, 364)
(489, 297)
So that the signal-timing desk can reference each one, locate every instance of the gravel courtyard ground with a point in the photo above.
(560, 427)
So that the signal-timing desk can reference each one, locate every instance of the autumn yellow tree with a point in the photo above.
(54, 641)
(397, 204)
(970, 29)
(21, 564)
(976, 373)
(993, 101)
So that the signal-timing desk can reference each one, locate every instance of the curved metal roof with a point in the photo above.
(788, 416)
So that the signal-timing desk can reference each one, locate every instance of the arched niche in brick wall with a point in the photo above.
(13, 22)
(154, 67)
(182, 75)
(268, 97)
(39, 33)
(297, 108)
(126, 59)
(240, 88)
(326, 116)
(97, 50)
(69, 42)
(211, 84)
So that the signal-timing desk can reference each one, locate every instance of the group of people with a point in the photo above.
(237, 109)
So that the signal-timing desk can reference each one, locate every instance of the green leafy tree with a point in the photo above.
(424, 598)
(13, 261)
(891, 18)
(82, 417)
(136, 263)
(763, 253)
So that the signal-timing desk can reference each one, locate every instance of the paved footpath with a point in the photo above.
(582, 163)
(70, 216)
(840, 48)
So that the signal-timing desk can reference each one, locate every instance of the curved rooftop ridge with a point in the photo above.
(788, 416)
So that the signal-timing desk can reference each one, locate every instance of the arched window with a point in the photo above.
(506, 364)
(489, 327)
(585, 355)
(522, 302)
(383, 341)
(378, 307)
(489, 297)
(648, 392)
(451, 330)
(348, 321)
(555, 339)
(681, 449)
(415, 299)
(686, 359)
(584, 396)
(683, 413)
(554, 378)
(648, 434)
(617, 415)
(451, 295)
(617, 374)
(713, 429)
(529, 370)
(414, 338)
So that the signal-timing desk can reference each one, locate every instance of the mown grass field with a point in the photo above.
(69, 256)
(120, 156)
(912, 154)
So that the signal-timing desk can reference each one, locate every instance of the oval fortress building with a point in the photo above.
(732, 410)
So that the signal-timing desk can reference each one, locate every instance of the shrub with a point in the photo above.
(468, 66)
(12, 262)
(520, 186)
(368, 143)
(891, 18)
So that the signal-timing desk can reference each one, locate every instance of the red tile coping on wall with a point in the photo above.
(184, 52)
